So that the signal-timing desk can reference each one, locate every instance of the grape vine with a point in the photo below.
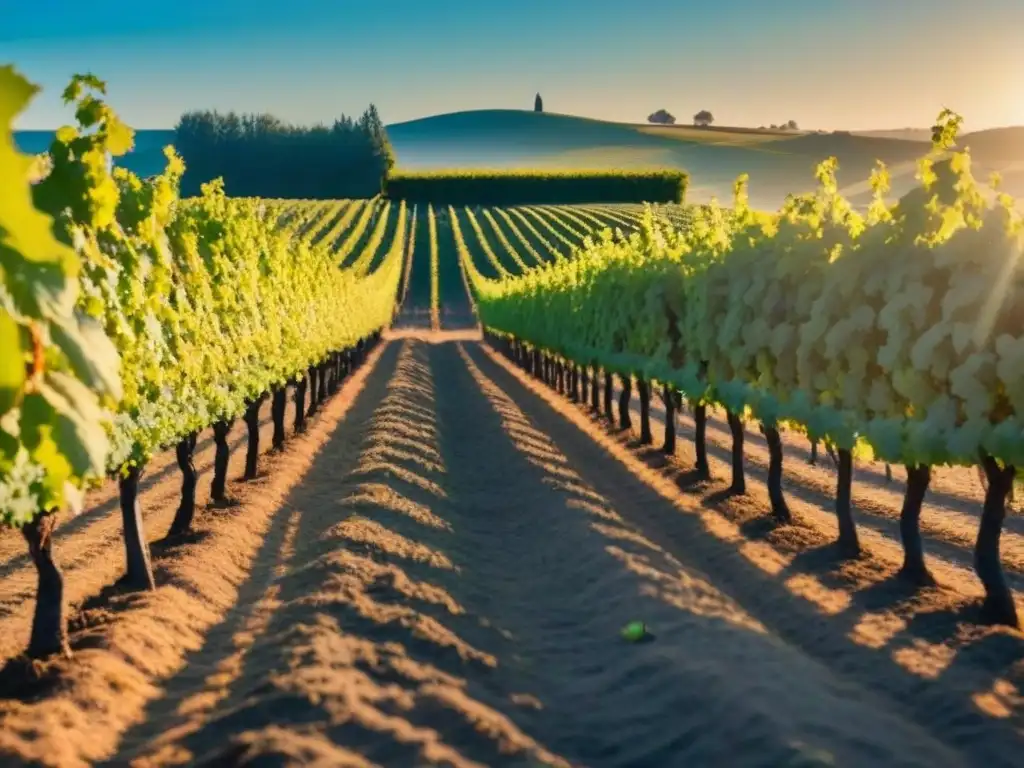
(135, 319)
(895, 332)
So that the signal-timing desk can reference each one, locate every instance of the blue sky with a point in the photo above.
(825, 63)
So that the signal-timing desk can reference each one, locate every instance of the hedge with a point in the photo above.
(537, 187)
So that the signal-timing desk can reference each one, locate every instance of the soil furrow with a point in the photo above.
(921, 652)
(437, 573)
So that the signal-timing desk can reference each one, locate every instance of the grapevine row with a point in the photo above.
(515, 214)
(560, 221)
(614, 218)
(600, 220)
(311, 219)
(133, 319)
(322, 226)
(361, 265)
(509, 248)
(355, 237)
(410, 252)
(520, 237)
(332, 239)
(492, 257)
(546, 226)
(396, 251)
(464, 258)
(896, 333)
(435, 270)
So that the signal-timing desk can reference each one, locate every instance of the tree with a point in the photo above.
(703, 118)
(259, 155)
(662, 117)
(538, 104)
(791, 125)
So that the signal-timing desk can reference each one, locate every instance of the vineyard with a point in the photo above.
(380, 481)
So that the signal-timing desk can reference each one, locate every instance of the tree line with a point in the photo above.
(259, 155)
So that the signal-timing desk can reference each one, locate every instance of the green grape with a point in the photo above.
(58, 371)
(173, 314)
(896, 332)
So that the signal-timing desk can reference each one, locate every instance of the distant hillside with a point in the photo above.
(852, 146)
(900, 134)
(778, 162)
(1006, 144)
(545, 134)
(990, 146)
(511, 138)
(504, 138)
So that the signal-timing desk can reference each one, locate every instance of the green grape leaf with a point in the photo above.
(66, 134)
(34, 263)
(56, 467)
(15, 93)
(90, 111)
(12, 363)
(81, 82)
(92, 355)
(120, 138)
(62, 427)
(9, 447)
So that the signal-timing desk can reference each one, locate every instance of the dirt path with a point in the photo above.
(444, 584)
(452, 589)
(959, 682)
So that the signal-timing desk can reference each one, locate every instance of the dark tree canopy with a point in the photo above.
(703, 118)
(262, 156)
(538, 104)
(662, 117)
(791, 125)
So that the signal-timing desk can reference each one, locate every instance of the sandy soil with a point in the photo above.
(90, 547)
(949, 520)
(922, 651)
(436, 573)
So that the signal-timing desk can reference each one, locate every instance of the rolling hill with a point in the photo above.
(906, 134)
(778, 162)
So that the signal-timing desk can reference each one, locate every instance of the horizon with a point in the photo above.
(680, 122)
(598, 60)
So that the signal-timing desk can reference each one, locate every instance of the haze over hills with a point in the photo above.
(905, 134)
(778, 162)
(1007, 141)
